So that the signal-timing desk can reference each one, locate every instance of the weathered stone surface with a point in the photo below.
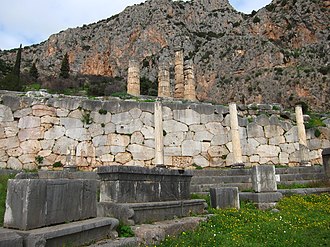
(135, 113)
(117, 149)
(137, 138)
(277, 140)
(95, 129)
(6, 114)
(172, 151)
(122, 118)
(273, 131)
(118, 140)
(123, 158)
(101, 118)
(254, 130)
(30, 134)
(284, 158)
(30, 146)
(43, 110)
(203, 136)
(187, 116)
(9, 143)
(262, 120)
(134, 125)
(220, 139)
(182, 162)
(14, 163)
(263, 179)
(217, 151)
(167, 113)
(148, 132)
(174, 139)
(11, 130)
(211, 118)
(79, 134)
(10, 238)
(140, 152)
(191, 148)
(27, 158)
(85, 149)
(62, 144)
(15, 152)
(109, 128)
(22, 112)
(268, 151)
(224, 198)
(29, 122)
(249, 147)
(216, 128)
(71, 123)
(174, 126)
(47, 144)
(148, 119)
(201, 161)
(50, 120)
(3, 156)
(292, 135)
(101, 140)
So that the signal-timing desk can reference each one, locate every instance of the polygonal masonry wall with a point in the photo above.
(41, 131)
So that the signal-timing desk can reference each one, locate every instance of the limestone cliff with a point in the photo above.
(278, 54)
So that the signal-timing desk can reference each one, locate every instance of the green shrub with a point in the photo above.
(57, 164)
(125, 231)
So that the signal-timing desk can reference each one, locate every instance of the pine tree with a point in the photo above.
(65, 67)
(34, 72)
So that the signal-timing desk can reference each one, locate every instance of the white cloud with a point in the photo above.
(33, 21)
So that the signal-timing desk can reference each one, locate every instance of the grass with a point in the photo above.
(321, 184)
(300, 221)
(3, 194)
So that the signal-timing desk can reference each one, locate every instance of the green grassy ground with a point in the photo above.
(300, 221)
(3, 193)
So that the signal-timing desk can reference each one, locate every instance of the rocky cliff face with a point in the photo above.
(278, 54)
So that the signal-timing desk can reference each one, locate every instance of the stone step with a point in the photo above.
(300, 170)
(299, 182)
(220, 179)
(222, 172)
(206, 187)
(302, 176)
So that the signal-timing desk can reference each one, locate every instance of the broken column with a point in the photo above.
(133, 78)
(179, 76)
(164, 87)
(236, 142)
(159, 139)
(190, 82)
(303, 149)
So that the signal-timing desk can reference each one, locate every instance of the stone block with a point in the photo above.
(326, 161)
(174, 126)
(254, 131)
(6, 114)
(10, 238)
(35, 203)
(187, 116)
(191, 148)
(224, 197)
(134, 125)
(263, 179)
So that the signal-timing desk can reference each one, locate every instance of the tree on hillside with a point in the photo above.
(34, 71)
(65, 67)
(12, 80)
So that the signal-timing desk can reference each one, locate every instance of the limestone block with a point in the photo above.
(85, 149)
(109, 128)
(149, 143)
(262, 120)
(62, 112)
(182, 162)
(314, 155)
(101, 140)
(135, 113)
(123, 158)
(30, 146)
(3, 156)
(286, 125)
(9, 143)
(325, 132)
(191, 148)
(273, 131)
(11, 130)
(217, 151)
(148, 119)
(44, 153)
(190, 136)
(101, 118)
(217, 162)
(118, 140)
(221, 139)
(71, 123)
(314, 144)
(135, 163)
(27, 158)
(95, 129)
(255, 159)
(43, 110)
(79, 134)
(117, 149)
(23, 112)
(224, 198)
(49, 120)
(284, 158)
(134, 125)
(187, 116)
(15, 152)
(269, 160)
(2, 133)
(174, 126)
(263, 179)
(47, 144)
(268, 151)
(197, 128)
(54, 133)
(3, 165)
(203, 136)
(325, 144)
(14, 163)
(78, 114)
(274, 120)
(201, 161)
(62, 144)
(107, 158)
(137, 138)
(122, 118)
(295, 157)
(30, 134)
(6, 114)
(277, 140)
(261, 140)
(148, 132)
(249, 146)
(30, 166)
(211, 118)
(292, 135)
(254, 130)
(140, 152)
(102, 150)
(205, 147)
(288, 148)
(172, 151)
(29, 122)
(167, 113)
(216, 128)
(174, 139)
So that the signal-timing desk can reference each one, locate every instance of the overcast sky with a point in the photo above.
(29, 22)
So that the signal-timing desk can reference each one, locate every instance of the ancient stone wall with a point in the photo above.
(40, 131)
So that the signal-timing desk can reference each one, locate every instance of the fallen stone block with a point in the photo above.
(226, 197)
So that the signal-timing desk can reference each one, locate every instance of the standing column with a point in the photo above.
(303, 149)
(159, 139)
(164, 87)
(133, 78)
(190, 82)
(179, 76)
(237, 151)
